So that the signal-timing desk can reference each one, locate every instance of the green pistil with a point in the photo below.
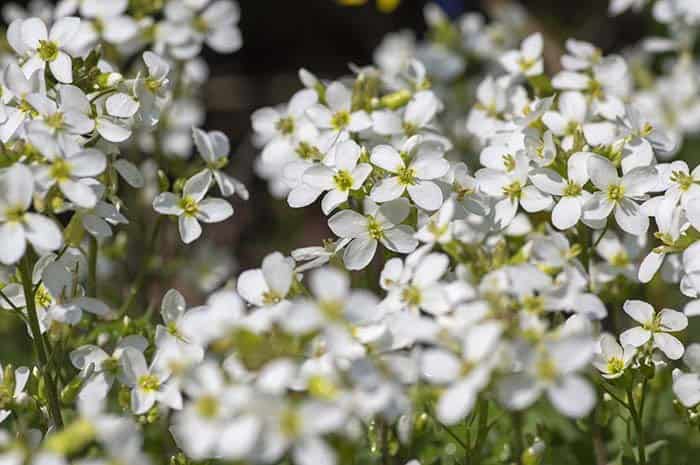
(14, 214)
(285, 125)
(513, 190)
(409, 128)
(307, 151)
(615, 366)
(207, 407)
(55, 120)
(189, 206)
(340, 120)
(343, 180)
(332, 309)
(620, 259)
(290, 423)
(152, 84)
(271, 298)
(546, 369)
(374, 228)
(42, 298)
(200, 25)
(509, 162)
(110, 365)
(60, 170)
(684, 180)
(616, 192)
(48, 51)
(27, 109)
(572, 189)
(411, 296)
(533, 304)
(149, 383)
(407, 176)
(526, 64)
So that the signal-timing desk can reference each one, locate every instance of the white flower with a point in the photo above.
(416, 174)
(99, 369)
(419, 286)
(613, 360)
(567, 211)
(379, 224)
(17, 225)
(655, 327)
(553, 370)
(45, 47)
(346, 175)
(269, 284)
(71, 171)
(567, 122)
(192, 207)
(686, 386)
(465, 376)
(337, 116)
(511, 189)
(618, 195)
(214, 148)
(148, 385)
(527, 60)
(419, 112)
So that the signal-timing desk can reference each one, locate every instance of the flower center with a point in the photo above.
(189, 205)
(290, 423)
(110, 365)
(149, 383)
(200, 25)
(513, 190)
(620, 259)
(615, 365)
(616, 192)
(684, 180)
(271, 297)
(42, 298)
(546, 369)
(14, 214)
(207, 407)
(332, 309)
(340, 120)
(509, 162)
(533, 304)
(409, 128)
(60, 169)
(322, 387)
(374, 228)
(152, 84)
(55, 120)
(407, 176)
(285, 125)
(343, 180)
(48, 51)
(307, 151)
(572, 189)
(411, 296)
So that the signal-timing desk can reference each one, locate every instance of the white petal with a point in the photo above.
(12, 243)
(635, 337)
(214, 210)
(566, 213)
(426, 194)
(669, 345)
(359, 253)
(630, 217)
(78, 193)
(189, 228)
(573, 396)
(672, 320)
(62, 68)
(42, 232)
(639, 311)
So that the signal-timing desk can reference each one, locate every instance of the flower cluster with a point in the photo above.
(482, 258)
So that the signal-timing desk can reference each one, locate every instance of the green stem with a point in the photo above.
(482, 430)
(138, 283)
(638, 426)
(92, 267)
(25, 269)
(518, 444)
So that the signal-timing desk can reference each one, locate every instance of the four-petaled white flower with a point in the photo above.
(656, 327)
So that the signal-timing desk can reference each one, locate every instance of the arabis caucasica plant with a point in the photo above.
(510, 275)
